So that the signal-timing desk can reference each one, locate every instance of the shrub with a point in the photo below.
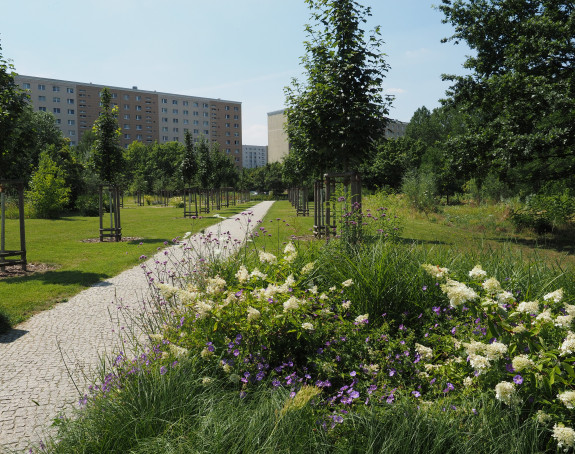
(420, 188)
(88, 205)
(545, 213)
(48, 193)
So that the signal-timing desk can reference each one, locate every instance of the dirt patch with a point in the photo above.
(31, 268)
(125, 239)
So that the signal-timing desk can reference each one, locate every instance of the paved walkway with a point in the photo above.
(47, 360)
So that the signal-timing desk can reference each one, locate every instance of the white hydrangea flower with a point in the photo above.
(323, 296)
(519, 329)
(347, 283)
(528, 307)
(361, 318)
(568, 345)
(477, 272)
(491, 285)
(268, 257)
(291, 304)
(479, 363)
(505, 392)
(253, 313)
(177, 350)
(495, 350)
(215, 285)
(468, 381)
(474, 347)
(307, 325)
(346, 304)
(258, 274)
(290, 281)
(567, 398)
(426, 353)
(203, 309)
(545, 317)
(167, 291)
(308, 268)
(542, 417)
(227, 368)
(522, 362)
(313, 290)
(505, 297)
(458, 293)
(290, 248)
(243, 274)
(555, 296)
(569, 308)
(564, 321)
(436, 271)
(565, 436)
(156, 337)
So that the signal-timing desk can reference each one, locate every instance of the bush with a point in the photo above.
(545, 213)
(420, 187)
(48, 193)
(88, 205)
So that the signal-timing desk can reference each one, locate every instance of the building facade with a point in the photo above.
(254, 156)
(144, 116)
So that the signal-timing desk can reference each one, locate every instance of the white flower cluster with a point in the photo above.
(505, 297)
(167, 291)
(528, 307)
(268, 257)
(505, 392)
(347, 283)
(177, 350)
(479, 363)
(346, 304)
(258, 274)
(253, 313)
(290, 253)
(545, 317)
(542, 417)
(203, 308)
(563, 321)
(426, 353)
(477, 272)
(243, 274)
(458, 293)
(307, 325)
(291, 304)
(568, 345)
(569, 308)
(565, 436)
(481, 355)
(308, 268)
(215, 285)
(361, 318)
(491, 286)
(522, 362)
(567, 398)
(436, 271)
(555, 296)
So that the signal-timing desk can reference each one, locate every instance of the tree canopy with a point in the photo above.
(519, 99)
(335, 117)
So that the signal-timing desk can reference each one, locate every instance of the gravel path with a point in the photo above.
(46, 362)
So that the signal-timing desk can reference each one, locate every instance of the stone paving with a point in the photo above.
(47, 362)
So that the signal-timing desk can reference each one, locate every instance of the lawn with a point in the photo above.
(76, 264)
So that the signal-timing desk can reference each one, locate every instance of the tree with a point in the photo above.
(205, 167)
(48, 193)
(520, 97)
(107, 156)
(189, 161)
(334, 119)
(13, 101)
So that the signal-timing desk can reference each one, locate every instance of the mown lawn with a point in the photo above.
(76, 264)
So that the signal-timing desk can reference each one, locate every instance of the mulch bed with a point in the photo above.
(31, 268)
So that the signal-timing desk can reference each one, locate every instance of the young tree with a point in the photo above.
(107, 156)
(48, 193)
(205, 167)
(189, 161)
(520, 97)
(334, 119)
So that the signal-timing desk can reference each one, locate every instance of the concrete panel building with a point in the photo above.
(254, 156)
(278, 144)
(145, 116)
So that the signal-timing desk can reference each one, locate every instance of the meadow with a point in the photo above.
(452, 343)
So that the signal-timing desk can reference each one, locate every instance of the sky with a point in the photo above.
(237, 50)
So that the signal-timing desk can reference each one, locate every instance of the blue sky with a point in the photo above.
(240, 50)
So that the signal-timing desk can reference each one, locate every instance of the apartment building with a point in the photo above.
(145, 116)
(254, 156)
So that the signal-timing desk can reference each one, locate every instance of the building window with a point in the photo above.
(236, 108)
(69, 90)
(175, 130)
(186, 121)
(175, 120)
(41, 87)
(196, 104)
(126, 97)
(42, 109)
(227, 107)
(227, 116)
(196, 122)
(138, 107)
(56, 110)
(127, 136)
(165, 138)
(71, 132)
(71, 112)
(196, 131)
(164, 110)
(205, 106)
(58, 121)
(186, 112)
(70, 101)
(227, 125)
(138, 117)
(114, 95)
(55, 99)
(175, 101)
(164, 129)
(71, 122)
(185, 103)
(174, 111)
(139, 137)
(138, 98)
(41, 98)
(164, 120)
(236, 125)
(196, 114)
(164, 101)
(126, 126)
(126, 106)
(126, 116)
(55, 88)
(206, 132)
(236, 117)
(206, 114)
(139, 127)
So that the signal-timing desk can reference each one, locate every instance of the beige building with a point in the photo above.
(278, 144)
(254, 156)
(145, 116)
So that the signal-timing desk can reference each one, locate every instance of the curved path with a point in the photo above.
(47, 362)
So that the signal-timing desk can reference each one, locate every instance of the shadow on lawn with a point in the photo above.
(63, 277)
(558, 244)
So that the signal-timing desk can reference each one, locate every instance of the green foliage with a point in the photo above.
(518, 99)
(12, 105)
(334, 118)
(48, 192)
(107, 156)
(545, 212)
(189, 161)
(88, 205)
(420, 188)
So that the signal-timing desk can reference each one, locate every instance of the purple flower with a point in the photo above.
(353, 373)
(163, 370)
(518, 379)
(236, 352)
(416, 393)
(353, 393)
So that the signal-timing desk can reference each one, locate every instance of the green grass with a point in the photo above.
(78, 265)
